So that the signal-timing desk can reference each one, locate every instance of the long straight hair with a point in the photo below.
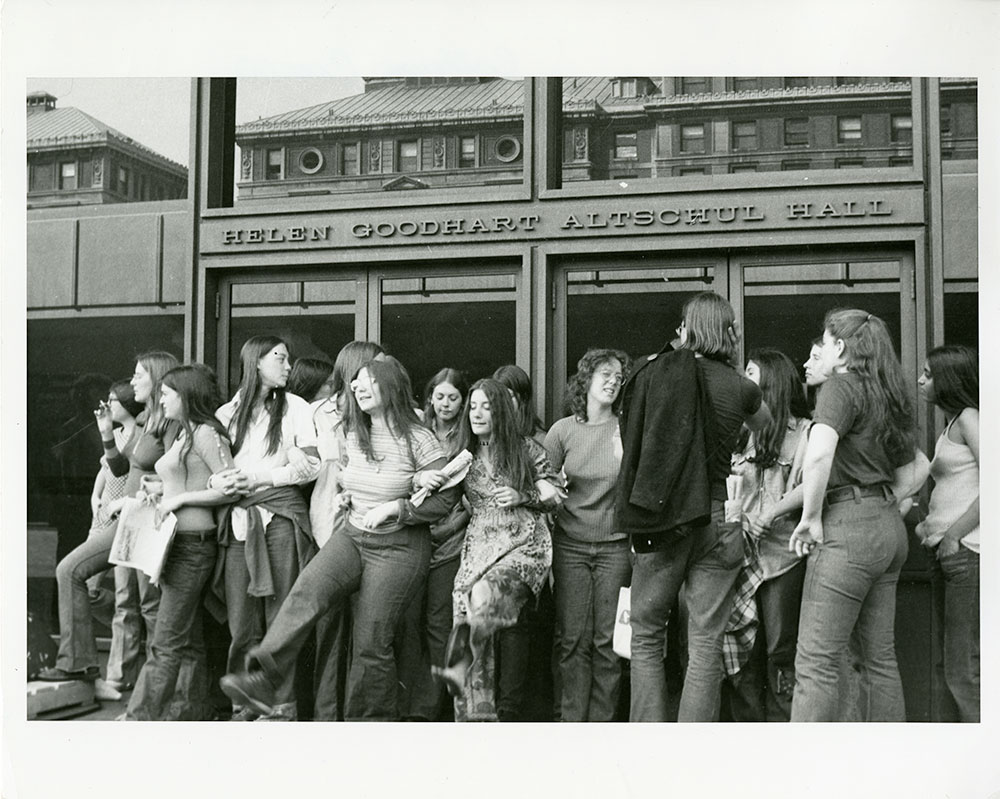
(156, 363)
(782, 391)
(275, 403)
(869, 354)
(711, 330)
(396, 392)
(955, 371)
(508, 443)
(446, 375)
(516, 379)
(198, 389)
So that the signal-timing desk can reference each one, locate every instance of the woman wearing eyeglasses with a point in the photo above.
(590, 558)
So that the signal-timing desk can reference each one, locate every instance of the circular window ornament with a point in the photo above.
(310, 161)
(508, 148)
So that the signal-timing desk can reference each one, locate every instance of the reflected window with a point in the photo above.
(746, 84)
(850, 81)
(407, 156)
(467, 152)
(693, 138)
(737, 168)
(902, 129)
(797, 83)
(797, 132)
(349, 164)
(123, 181)
(624, 87)
(275, 164)
(793, 166)
(850, 163)
(745, 135)
(627, 145)
(67, 175)
(848, 130)
(694, 85)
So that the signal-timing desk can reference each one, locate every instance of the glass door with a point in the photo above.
(316, 314)
(464, 317)
(785, 299)
(632, 305)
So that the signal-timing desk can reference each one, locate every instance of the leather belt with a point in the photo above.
(857, 493)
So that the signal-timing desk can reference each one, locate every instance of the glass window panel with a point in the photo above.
(902, 129)
(67, 175)
(961, 318)
(378, 134)
(959, 119)
(710, 125)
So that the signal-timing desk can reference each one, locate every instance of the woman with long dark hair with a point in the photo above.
(507, 550)
(518, 384)
(950, 381)
(382, 552)
(189, 396)
(311, 379)
(136, 599)
(333, 630)
(426, 624)
(760, 637)
(265, 536)
(590, 556)
(862, 435)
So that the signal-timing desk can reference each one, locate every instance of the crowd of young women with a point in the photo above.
(405, 555)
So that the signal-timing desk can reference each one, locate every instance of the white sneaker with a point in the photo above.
(105, 692)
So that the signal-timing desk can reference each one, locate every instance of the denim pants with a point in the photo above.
(588, 577)
(388, 571)
(421, 642)
(250, 616)
(850, 590)
(961, 630)
(136, 604)
(178, 636)
(706, 561)
(333, 650)
(77, 648)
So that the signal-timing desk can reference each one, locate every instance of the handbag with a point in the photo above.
(621, 641)
(142, 538)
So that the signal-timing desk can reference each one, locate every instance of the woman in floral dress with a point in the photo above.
(507, 551)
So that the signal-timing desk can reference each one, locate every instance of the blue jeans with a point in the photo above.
(707, 561)
(387, 570)
(961, 630)
(421, 642)
(250, 616)
(588, 577)
(136, 604)
(77, 648)
(850, 588)
(178, 635)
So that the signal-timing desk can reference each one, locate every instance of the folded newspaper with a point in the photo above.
(455, 469)
(142, 540)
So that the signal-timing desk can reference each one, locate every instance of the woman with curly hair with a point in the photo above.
(590, 558)
(861, 438)
(507, 550)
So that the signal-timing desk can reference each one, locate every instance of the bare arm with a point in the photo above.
(808, 533)
(968, 427)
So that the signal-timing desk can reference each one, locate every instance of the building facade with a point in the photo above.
(623, 197)
(75, 159)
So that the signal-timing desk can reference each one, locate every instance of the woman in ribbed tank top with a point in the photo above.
(950, 381)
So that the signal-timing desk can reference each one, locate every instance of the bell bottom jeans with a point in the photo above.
(588, 576)
(850, 589)
(388, 571)
(961, 630)
(178, 636)
(706, 561)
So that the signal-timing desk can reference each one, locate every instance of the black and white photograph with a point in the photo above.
(494, 389)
